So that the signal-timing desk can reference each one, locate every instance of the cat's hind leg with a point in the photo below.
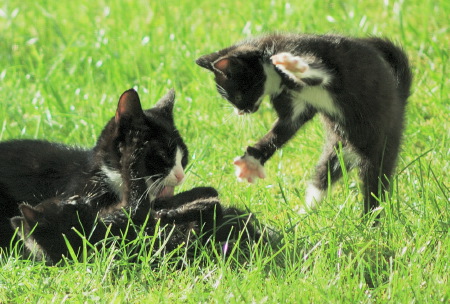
(376, 175)
(328, 171)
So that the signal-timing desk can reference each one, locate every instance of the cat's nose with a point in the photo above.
(179, 175)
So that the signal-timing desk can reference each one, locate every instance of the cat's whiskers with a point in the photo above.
(154, 187)
(244, 123)
(222, 91)
(230, 108)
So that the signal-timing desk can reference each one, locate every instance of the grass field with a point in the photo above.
(64, 64)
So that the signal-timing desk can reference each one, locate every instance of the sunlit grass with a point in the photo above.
(64, 64)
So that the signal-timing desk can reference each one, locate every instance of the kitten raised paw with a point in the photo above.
(249, 168)
(292, 66)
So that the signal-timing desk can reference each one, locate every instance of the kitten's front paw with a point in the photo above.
(292, 66)
(249, 168)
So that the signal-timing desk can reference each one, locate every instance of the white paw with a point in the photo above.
(314, 196)
(293, 66)
(249, 168)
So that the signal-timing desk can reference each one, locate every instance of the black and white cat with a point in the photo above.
(35, 170)
(359, 85)
(184, 218)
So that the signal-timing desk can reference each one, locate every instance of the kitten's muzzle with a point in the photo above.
(246, 110)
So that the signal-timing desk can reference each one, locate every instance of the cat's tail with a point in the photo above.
(399, 62)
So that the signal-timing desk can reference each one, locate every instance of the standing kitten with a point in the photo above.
(359, 85)
(34, 170)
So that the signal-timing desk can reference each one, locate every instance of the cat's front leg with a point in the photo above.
(250, 166)
(184, 198)
(205, 210)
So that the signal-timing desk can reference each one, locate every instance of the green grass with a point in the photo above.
(63, 65)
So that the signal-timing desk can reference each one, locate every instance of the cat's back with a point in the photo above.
(308, 43)
(32, 153)
(32, 169)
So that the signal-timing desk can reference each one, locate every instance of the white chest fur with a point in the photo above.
(315, 96)
(114, 179)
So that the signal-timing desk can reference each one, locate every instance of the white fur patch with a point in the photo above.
(351, 158)
(177, 172)
(249, 168)
(174, 178)
(298, 107)
(318, 73)
(114, 179)
(35, 249)
(314, 196)
(316, 96)
(272, 86)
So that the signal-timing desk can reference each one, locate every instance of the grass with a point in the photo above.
(63, 65)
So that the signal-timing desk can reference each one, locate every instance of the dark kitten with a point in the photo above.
(47, 227)
(34, 170)
(359, 85)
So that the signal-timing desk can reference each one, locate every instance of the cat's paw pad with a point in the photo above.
(293, 66)
(249, 168)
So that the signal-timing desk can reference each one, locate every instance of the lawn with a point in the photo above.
(64, 64)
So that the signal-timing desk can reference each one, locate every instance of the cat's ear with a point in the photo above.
(129, 106)
(206, 61)
(17, 222)
(166, 103)
(229, 64)
(226, 65)
(223, 59)
(222, 65)
(30, 215)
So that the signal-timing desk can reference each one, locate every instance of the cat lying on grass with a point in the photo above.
(56, 229)
(123, 188)
(35, 170)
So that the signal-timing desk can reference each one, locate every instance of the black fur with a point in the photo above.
(370, 82)
(185, 217)
(35, 170)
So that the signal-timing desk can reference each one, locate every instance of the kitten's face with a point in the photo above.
(239, 76)
(150, 142)
(42, 227)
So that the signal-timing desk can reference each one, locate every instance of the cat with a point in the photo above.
(183, 218)
(35, 170)
(359, 86)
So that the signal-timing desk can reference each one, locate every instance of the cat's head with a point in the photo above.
(148, 141)
(45, 228)
(239, 75)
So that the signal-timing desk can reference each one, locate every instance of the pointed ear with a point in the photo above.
(16, 222)
(129, 105)
(226, 65)
(222, 65)
(31, 215)
(206, 61)
(165, 104)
